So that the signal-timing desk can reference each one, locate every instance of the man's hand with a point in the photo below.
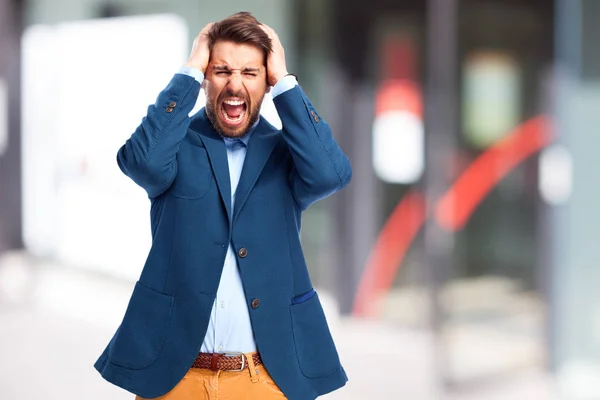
(276, 68)
(200, 53)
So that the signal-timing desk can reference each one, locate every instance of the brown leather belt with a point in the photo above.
(225, 361)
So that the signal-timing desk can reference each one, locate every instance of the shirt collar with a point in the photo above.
(244, 139)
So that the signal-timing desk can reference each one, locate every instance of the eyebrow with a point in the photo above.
(226, 68)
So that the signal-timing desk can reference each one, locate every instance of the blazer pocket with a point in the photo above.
(304, 297)
(141, 336)
(194, 173)
(315, 349)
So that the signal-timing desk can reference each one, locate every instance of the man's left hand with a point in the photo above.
(276, 67)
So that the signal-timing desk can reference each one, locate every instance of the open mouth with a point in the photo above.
(233, 111)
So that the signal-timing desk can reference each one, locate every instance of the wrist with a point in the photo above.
(280, 75)
(196, 65)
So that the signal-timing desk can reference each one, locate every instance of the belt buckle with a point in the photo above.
(237, 353)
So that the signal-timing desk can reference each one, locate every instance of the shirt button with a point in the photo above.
(243, 252)
(255, 303)
(220, 348)
(222, 304)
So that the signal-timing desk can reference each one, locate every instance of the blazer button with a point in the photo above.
(255, 303)
(243, 252)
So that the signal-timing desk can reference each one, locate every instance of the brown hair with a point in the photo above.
(241, 27)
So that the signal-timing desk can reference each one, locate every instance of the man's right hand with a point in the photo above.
(200, 52)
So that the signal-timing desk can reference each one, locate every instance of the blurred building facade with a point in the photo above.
(486, 108)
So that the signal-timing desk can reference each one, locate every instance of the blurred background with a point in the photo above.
(461, 263)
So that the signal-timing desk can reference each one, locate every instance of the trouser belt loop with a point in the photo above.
(213, 362)
(252, 368)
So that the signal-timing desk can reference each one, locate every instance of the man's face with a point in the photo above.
(235, 85)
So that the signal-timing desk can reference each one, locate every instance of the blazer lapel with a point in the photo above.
(261, 145)
(217, 153)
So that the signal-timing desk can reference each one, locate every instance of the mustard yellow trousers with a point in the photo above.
(252, 383)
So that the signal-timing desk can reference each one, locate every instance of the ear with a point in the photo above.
(203, 85)
(268, 89)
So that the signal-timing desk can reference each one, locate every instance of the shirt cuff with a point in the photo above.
(286, 83)
(193, 72)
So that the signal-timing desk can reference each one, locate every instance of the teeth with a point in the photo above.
(233, 120)
(234, 102)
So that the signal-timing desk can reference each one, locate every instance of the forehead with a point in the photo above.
(236, 55)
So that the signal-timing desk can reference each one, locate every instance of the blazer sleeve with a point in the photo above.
(320, 168)
(149, 155)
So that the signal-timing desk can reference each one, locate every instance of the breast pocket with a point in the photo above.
(194, 174)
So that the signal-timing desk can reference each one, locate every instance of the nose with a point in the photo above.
(235, 82)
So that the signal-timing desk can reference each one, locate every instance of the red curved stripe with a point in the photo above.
(389, 251)
(457, 205)
(452, 211)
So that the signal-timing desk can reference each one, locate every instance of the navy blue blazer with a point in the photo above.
(181, 162)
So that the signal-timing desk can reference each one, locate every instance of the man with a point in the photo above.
(224, 307)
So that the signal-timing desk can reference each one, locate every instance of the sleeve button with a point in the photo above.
(315, 116)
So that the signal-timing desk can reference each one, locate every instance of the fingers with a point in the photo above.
(205, 30)
(203, 33)
(200, 54)
(270, 31)
(276, 66)
(276, 43)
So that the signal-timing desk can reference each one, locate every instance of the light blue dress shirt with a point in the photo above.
(229, 328)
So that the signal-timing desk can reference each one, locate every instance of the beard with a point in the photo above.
(211, 113)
